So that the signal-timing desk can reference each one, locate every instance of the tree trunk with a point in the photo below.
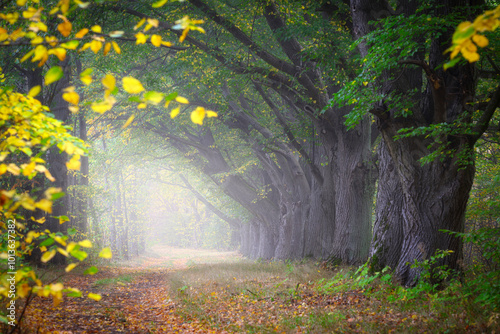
(353, 194)
(56, 161)
(387, 237)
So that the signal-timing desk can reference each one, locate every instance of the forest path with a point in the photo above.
(135, 296)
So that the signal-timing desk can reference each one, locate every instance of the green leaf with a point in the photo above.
(91, 271)
(72, 231)
(159, 3)
(78, 254)
(451, 63)
(88, 71)
(171, 96)
(73, 293)
(71, 45)
(135, 99)
(54, 74)
(58, 195)
(47, 242)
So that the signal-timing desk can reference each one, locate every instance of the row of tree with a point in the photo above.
(306, 126)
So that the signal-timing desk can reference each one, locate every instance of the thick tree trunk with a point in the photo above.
(435, 197)
(388, 228)
(353, 183)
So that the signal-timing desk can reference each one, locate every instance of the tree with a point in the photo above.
(429, 128)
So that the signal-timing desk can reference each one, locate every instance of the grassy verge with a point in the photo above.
(291, 297)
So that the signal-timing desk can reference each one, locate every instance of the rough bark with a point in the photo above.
(434, 195)
(387, 229)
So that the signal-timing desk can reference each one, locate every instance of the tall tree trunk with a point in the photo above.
(387, 237)
(435, 194)
(353, 182)
(56, 160)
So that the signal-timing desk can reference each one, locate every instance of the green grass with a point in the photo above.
(114, 280)
(277, 297)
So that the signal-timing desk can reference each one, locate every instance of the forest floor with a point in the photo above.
(171, 290)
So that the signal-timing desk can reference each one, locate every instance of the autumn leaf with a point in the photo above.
(74, 163)
(129, 120)
(156, 40)
(85, 243)
(65, 28)
(175, 112)
(181, 99)
(48, 255)
(109, 82)
(198, 115)
(141, 38)
(70, 267)
(94, 296)
(81, 33)
(53, 75)
(159, 3)
(116, 47)
(34, 91)
(105, 253)
(132, 85)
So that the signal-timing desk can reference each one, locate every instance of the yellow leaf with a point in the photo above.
(140, 23)
(47, 256)
(116, 47)
(82, 33)
(40, 221)
(156, 40)
(141, 38)
(70, 267)
(175, 112)
(104, 106)
(35, 91)
(65, 28)
(70, 247)
(60, 240)
(71, 97)
(129, 120)
(365, 83)
(96, 29)
(181, 99)
(109, 82)
(40, 54)
(142, 106)
(107, 47)
(62, 251)
(211, 113)
(480, 40)
(94, 296)
(153, 22)
(26, 56)
(74, 163)
(85, 243)
(86, 79)
(13, 169)
(95, 46)
(132, 85)
(21, 2)
(45, 205)
(105, 253)
(59, 52)
(198, 115)
(56, 287)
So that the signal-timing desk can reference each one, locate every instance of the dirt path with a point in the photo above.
(135, 297)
